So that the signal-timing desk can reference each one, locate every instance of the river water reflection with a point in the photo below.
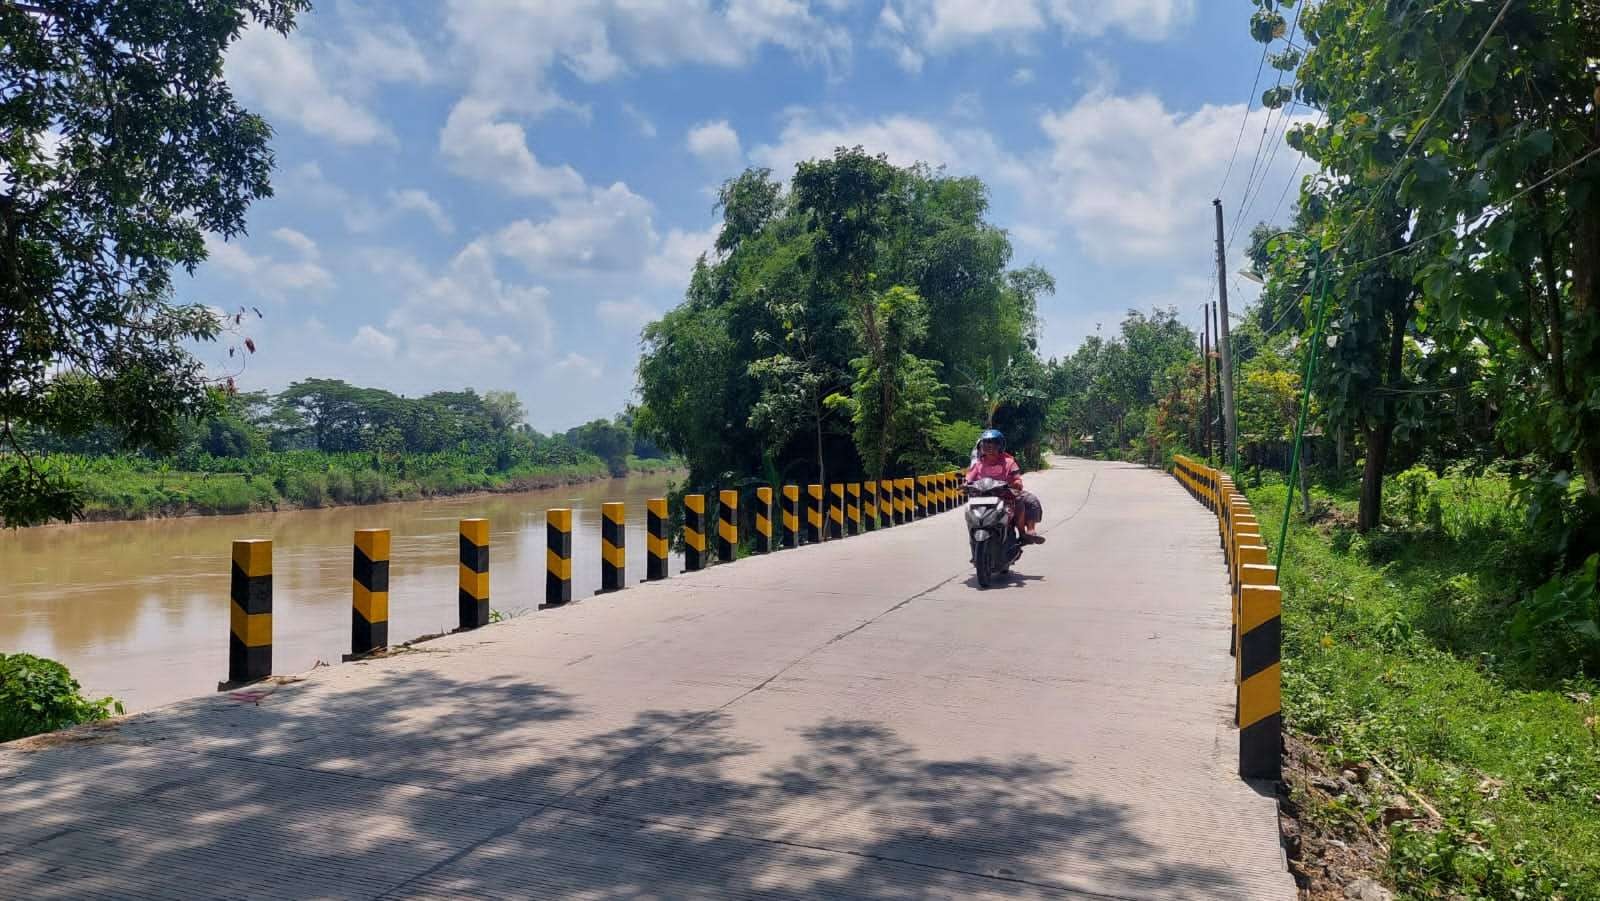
(139, 610)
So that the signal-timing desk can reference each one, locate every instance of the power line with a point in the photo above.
(1245, 200)
(1293, 174)
(1244, 120)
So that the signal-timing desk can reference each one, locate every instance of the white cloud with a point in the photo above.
(303, 245)
(268, 276)
(914, 29)
(716, 144)
(307, 184)
(905, 140)
(372, 342)
(388, 53)
(674, 259)
(282, 77)
(609, 230)
(629, 315)
(509, 46)
(580, 365)
(967, 105)
(1133, 179)
(640, 120)
(416, 200)
(1022, 76)
(477, 144)
(1151, 20)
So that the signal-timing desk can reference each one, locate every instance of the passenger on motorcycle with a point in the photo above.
(992, 462)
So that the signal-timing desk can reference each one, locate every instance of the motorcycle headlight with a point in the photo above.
(980, 535)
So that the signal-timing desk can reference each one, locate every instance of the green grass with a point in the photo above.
(1397, 647)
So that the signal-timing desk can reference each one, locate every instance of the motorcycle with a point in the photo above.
(991, 530)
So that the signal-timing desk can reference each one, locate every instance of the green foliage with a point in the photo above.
(1130, 394)
(1562, 617)
(122, 147)
(819, 342)
(1410, 660)
(39, 695)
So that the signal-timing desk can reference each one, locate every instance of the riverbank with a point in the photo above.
(131, 492)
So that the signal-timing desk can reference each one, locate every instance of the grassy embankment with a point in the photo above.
(1398, 649)
(135, 488)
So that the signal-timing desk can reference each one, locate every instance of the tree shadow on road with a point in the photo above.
(423, 785)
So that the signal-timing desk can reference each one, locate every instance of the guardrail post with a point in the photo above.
(791, 516)
(250, 619)
(369, 592)
(694, 532)
(763, 520)
(613, 546)
(1260, 682)
(657, 546)
(835, 511)
(727, 525)
(813, 514)
(869, 506)
(558, 556)
(853, 508)
(472, 600)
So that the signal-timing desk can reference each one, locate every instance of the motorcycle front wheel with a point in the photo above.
(980, 561)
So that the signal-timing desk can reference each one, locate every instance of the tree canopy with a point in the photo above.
(828, 335)
(121, 146)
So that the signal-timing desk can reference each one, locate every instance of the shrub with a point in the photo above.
(39, 695)
(305, 488)
(369, 486)
(340, 486)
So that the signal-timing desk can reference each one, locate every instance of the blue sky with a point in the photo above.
(499, 193)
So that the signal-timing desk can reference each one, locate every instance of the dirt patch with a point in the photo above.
(1334, 852)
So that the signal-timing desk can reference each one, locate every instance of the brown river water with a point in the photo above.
(139, 610)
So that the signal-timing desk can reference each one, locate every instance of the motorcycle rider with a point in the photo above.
(992, 462)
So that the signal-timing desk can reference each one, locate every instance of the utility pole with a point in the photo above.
(1205, 360)
(1225, 375)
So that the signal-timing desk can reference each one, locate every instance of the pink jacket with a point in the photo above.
(1006, 470)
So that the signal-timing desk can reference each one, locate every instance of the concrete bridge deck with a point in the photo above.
(854, 720)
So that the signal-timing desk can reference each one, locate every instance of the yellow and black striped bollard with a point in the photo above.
(369, 592)
(557, 556)
(835, 511)
(655, 565)
(473, 597)
(949, 492)
(853, 508)
(763, 520)
(896, 508)
(727, 525)
(250, 620)
(920, 486)
(1260, 682)
(694, 532)
(869, 505)
(613, 546)
(908, 499)
(813, 514)
(791, 516)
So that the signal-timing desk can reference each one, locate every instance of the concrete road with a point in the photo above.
(855, 720)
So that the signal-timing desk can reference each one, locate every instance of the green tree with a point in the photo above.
(122, 146)
(895, 396)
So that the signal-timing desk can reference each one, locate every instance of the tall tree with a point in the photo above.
(121, 147)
